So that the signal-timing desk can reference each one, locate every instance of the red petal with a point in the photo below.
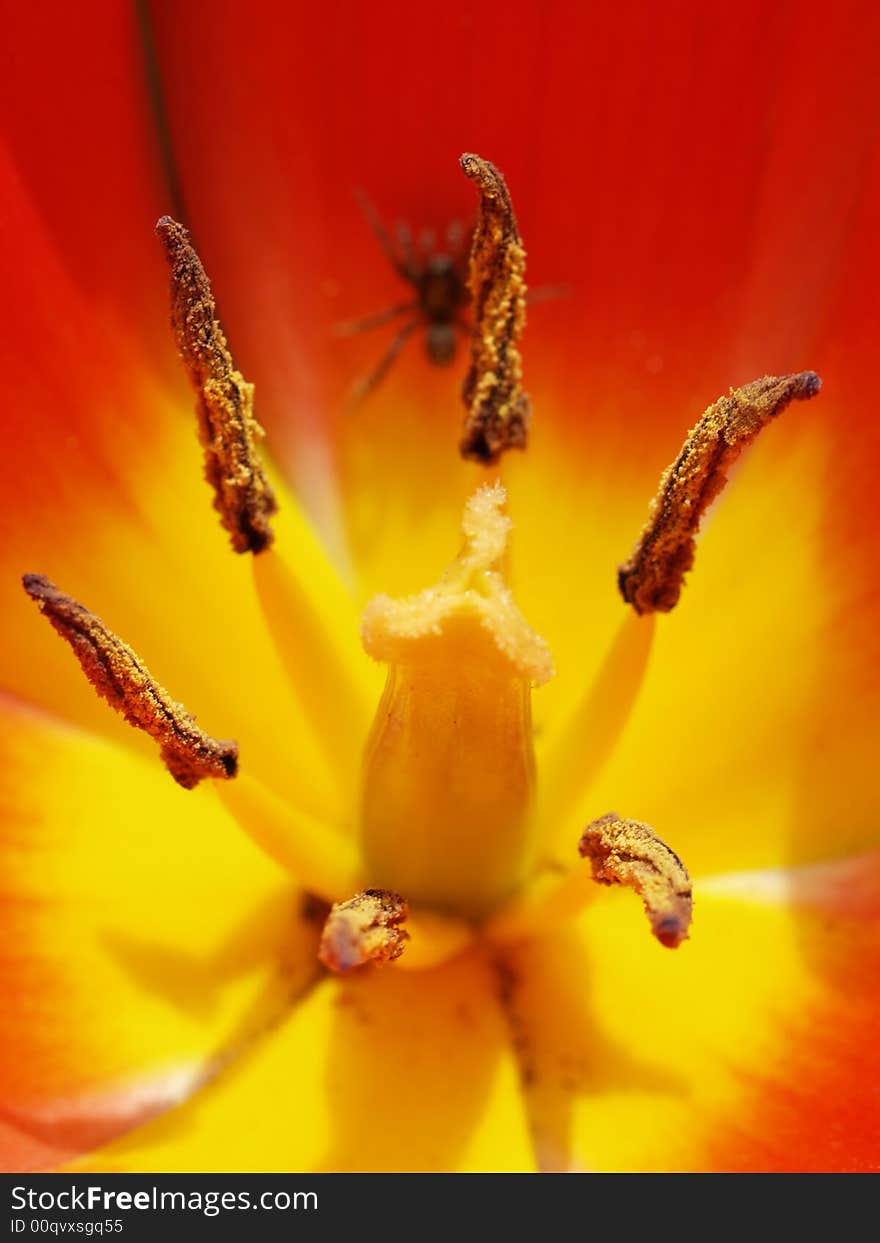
(693, 176)
(82, 134)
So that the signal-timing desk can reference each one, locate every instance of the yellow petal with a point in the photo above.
(143, 933)
(643, 1060)
(400, 472)
(320, 859)
(757, 718)
(381, 1071)
(314, 623)
(161, 575)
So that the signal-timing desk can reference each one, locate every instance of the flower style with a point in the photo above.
(317, 956)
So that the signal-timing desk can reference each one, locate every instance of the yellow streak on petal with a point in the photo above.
(313, 622)
(319, 857)
(574, 754)
(433, 939)
(551, 898)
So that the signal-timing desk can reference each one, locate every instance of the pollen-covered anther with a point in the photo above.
(498, 409)
(120, 677)
(627, 852)
(652, 578)
(228, 430)
(366, 928)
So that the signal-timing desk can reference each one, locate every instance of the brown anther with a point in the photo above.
(364, 929)
(498, 409)
(119, 676)
(651, 580)
(626, 852)
(228, 431)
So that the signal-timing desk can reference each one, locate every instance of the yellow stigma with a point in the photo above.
(449, 771)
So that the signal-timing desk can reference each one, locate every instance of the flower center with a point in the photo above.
(449, 770)
(446, 815)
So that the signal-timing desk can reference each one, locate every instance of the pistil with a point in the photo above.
(446, 809)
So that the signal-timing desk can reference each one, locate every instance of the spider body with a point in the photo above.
(438, 280)
(442, 296)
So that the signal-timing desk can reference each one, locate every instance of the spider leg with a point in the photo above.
(428, 242)
(407, 250)
(351, 327)
(455, 237)
(461, 256)
(364, 387)
(547, 293)
(374, 220)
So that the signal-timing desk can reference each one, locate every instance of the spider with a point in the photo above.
(439, 281)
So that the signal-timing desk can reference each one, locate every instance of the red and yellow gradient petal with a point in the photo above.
(103, 492)
(762, 687)
(101, 474)
(143, 937)
(749, 1048)
(384, 1071)
(701, 244)
(669, 303)
(747, 741)
(92, 164)
(817, 1106)
(703, 248)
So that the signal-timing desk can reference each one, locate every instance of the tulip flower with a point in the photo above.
(295, 921)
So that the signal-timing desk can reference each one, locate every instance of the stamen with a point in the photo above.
(364, 929)
(498, 409)
(120, 677)
(228, 431)
(626, 852)
(651, 580)
(320, 856)
(572, 754)
(554, 895)
(433, 939)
